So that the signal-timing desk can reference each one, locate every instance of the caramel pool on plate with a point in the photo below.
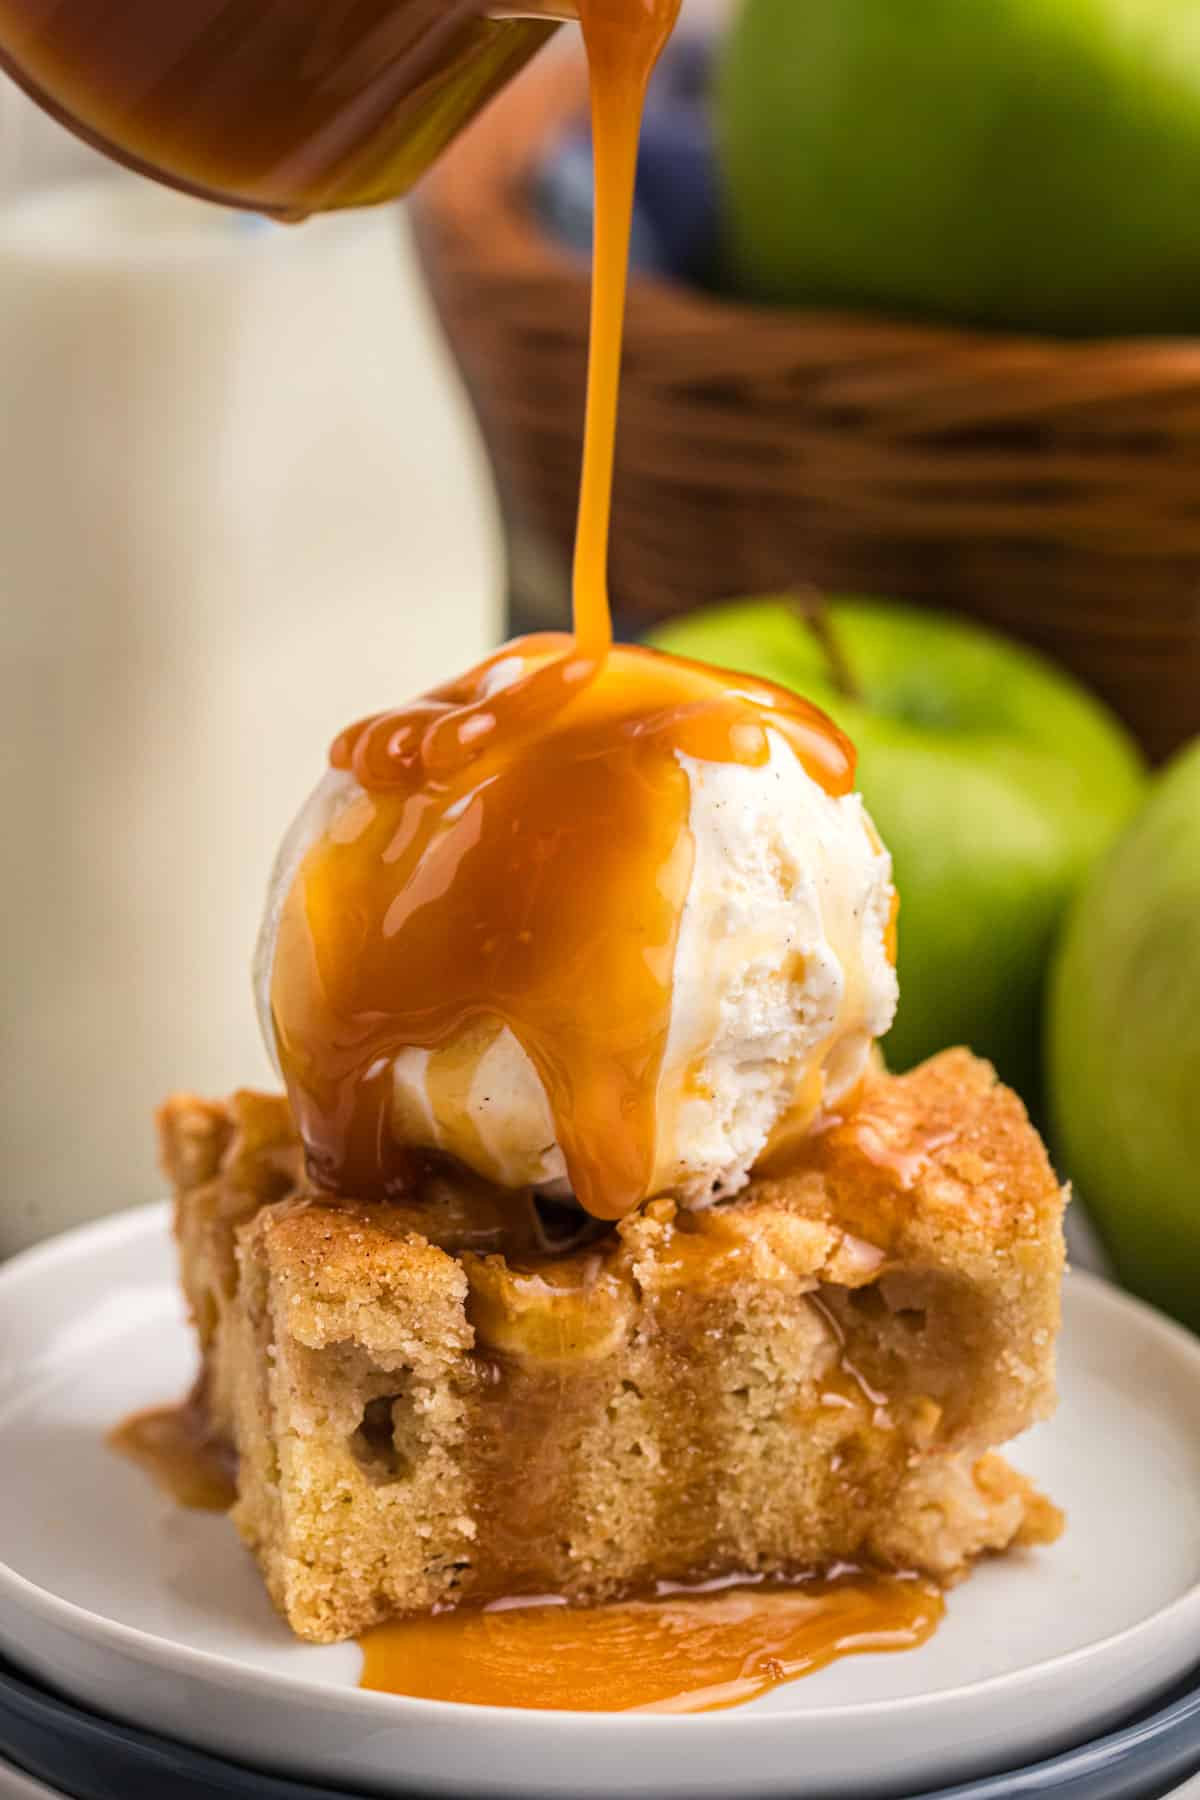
(686, 1652)
(175, 1446)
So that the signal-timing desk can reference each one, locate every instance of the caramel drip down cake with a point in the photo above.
(447, 1400)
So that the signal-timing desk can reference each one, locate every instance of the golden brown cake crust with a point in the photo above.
(944, 1152)
(429, 1406)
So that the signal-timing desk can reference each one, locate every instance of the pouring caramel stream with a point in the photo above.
(624, 39)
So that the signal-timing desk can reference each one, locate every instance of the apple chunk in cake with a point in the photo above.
(430, 1405)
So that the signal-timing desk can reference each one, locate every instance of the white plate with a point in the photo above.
(156, 1616)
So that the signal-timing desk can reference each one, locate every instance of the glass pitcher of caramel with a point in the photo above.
(284, 106)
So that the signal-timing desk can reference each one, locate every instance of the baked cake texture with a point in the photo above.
(430, 1404)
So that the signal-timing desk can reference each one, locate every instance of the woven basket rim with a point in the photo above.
(486, 187)
(1046, 486)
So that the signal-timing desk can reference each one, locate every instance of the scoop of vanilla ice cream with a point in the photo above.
(782, 977)
(782, 982)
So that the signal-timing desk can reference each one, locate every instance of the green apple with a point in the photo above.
(1123, 1047)
(1023, 163)
(994, 780)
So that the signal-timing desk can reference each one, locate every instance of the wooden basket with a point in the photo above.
(1049, 488)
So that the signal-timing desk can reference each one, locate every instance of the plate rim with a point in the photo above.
(81, 1623)
(1180, 1706)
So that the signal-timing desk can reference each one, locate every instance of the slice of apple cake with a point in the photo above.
(470, 1395)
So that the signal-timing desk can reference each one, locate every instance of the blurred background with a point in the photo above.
(243, 502)
(911, 420)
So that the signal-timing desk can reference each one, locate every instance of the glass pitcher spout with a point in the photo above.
(305, 106)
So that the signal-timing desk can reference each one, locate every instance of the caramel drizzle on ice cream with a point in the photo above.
(520, 854)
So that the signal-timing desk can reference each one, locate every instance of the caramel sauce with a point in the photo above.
(624, 39)
(518, 854)
(683, 1652)
(175, 1448)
